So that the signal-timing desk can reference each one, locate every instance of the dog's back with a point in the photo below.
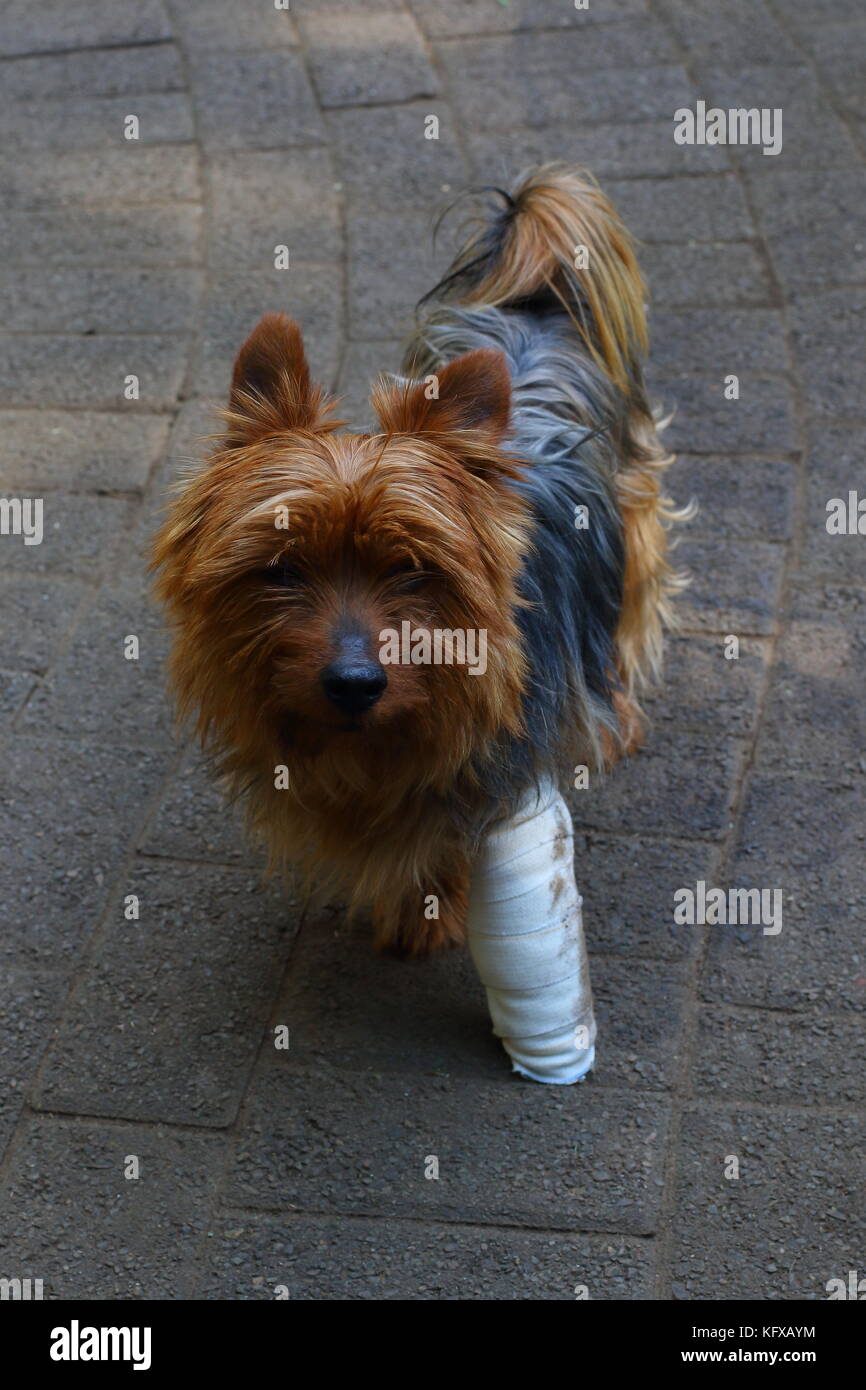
(549, 278)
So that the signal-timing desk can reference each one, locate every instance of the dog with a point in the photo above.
(510, 499)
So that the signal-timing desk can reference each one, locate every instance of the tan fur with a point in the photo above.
(368, 810)
(561, 209)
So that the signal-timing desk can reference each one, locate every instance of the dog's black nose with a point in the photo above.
(354, 685)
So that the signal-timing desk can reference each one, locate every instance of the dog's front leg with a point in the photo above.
(421, 923)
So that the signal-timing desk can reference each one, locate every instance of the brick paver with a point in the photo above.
(153, 1034)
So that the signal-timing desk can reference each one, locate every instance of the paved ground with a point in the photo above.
(154, 1037)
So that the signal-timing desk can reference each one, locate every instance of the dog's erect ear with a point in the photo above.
(472, 393)
(271, 386)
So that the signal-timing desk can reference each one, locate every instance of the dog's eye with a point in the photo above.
(281, 575)
(406, 576)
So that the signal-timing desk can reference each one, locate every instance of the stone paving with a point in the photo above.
(722, 1048)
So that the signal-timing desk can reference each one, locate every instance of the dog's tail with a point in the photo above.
(557, 234)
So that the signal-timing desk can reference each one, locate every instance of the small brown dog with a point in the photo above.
(511, 492)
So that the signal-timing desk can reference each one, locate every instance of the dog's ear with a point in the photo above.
(472, 393)
(271, 386)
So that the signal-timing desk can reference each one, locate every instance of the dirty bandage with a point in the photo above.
(525, 934)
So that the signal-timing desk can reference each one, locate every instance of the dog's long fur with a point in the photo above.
(458, 513)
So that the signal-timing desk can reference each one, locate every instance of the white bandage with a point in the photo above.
(525, 934)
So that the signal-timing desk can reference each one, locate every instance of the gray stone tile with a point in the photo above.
(51, 371)
(79, 450)
(752, 339)
(80, 537)
(636, 41)
(639, 1008)
(838, 603)
(812, 135)
(705, 422)
(458, 18)
(735, 586)
(63, 24)
(359, 6)
(680, 209)
(838, 49)
(729, 275)
(258, 201)
(107, 72)
(562, 77)
(91, 300)
(680, 784)
(806, 21)
(204, 24)
(399, 163)
(94, 691)
(392, 263)
(824, 247)
(80, 123)
(611, 149)
(150, 234)
(814, 707)
(582, 1158)
(254, 101)
(37, 611)
(787, 1225)
(135, 173)
(378, 56)
(628, 885)
(321, 1258)
(738, 497)
(194, 820)
(15, 686)
(835, 468)
(69, 810)
(70, 1213)
(827, 331)
(166, 1018)
(703, 690)
(348, 1008)
(743, 30)
(803, 834)
(29, 1000)
(779, 1059)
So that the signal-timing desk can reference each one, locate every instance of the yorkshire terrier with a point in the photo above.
(512, 491)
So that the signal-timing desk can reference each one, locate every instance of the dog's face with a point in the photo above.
(309, 572)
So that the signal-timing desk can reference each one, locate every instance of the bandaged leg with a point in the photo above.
(525, 934)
